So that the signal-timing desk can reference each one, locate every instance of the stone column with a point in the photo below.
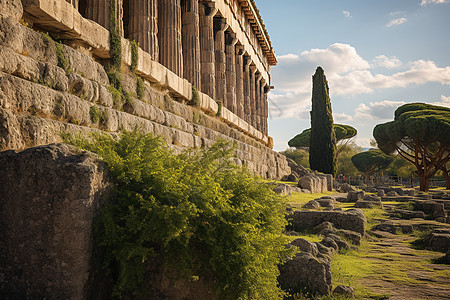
(191, 41)
(262, 107)
(143, 25)
(266, 110)
(253, 96)
(258, 100)
(169, 35)
(99, 12)
(247, 98)
(207, 60)
(240, 80)
(220, 26)
(230, 52)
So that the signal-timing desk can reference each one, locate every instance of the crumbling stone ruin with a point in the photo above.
(197, 71)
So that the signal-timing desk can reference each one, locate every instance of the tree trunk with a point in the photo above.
(447, 178)
(424, 182)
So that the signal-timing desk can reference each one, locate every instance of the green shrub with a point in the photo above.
(115, 46)
(219, 109)
(95, 114)
(134, 55)
(195, 101)
(140, 87)
(195, 212)
(63, 63)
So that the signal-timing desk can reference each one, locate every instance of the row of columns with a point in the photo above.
(193, 41)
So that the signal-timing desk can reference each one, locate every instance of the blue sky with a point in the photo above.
(377, 55)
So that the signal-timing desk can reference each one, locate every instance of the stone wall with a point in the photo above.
(39, 100)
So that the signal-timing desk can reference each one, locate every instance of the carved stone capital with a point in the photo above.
(239, 49)
(230, 38)
(220, 24)
(247, 60)
(209, 8)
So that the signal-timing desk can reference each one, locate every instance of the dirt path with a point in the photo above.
(403, 272)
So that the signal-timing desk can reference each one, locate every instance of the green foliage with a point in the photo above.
(94, 114)
(120, 96)
(420, 133)
(301, 157)
(371, 161)
(301, 140)
(98, 116)
(115, 51)
(344, 160)
(134, 55)
(219, 109)
(63, 63)
(196, 213)
(400, 167)
(322, 150)
(140, 87)
(195, 101)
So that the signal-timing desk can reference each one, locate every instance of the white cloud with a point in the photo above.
(347, 73)
(445, 101)
(338, 118)
(395, 13)
(346, 14)
(386, 62)
(425, 2)
(363, 142)
(396, 22)
(383, 110)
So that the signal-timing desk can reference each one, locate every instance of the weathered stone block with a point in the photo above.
(11, 8)
(306, 273)
(48, 202)
(352, 219)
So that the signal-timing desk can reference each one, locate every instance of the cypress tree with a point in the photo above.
(322, 148)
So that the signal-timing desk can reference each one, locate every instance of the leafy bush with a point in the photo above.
(300, 156)
(196, 206)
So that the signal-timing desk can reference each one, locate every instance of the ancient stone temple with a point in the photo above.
(203, 66)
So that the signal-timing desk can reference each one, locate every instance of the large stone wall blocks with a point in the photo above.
(85, 65)
(10, 133)
(11, 34)
(172, 120)
(49, 200)
(84, 88)
(11, 9)
(163, 131)
(19, 65)
(181, 138)
(148, 111)
(29, 69)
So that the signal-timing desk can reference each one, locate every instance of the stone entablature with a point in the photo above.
(208, 44)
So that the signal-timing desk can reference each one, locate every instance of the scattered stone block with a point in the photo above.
(354, 196)
(438, 240)
(364, 204)
(304, 272)
(342, 290)
(313, 204)
(345, 188)
(352, 219)
(283, 189)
